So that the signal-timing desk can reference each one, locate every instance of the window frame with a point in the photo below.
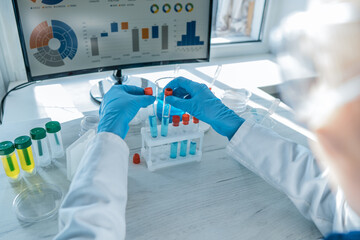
(261, 46)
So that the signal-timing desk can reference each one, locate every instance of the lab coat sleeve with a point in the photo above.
(94, 207)
(292, 169)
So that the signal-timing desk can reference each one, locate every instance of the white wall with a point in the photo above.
(287, 7)
(11, 59)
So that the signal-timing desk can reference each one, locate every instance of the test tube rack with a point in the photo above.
(156, 151)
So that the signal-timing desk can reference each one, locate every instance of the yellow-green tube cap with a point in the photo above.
(53, 127)
(38, 133)
(6, 148)
(22, 142)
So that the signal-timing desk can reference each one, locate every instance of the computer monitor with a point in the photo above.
(68, 37)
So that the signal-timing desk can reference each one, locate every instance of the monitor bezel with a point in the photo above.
(100, 69)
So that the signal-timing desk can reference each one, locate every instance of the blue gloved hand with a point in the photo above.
(198, 100)
(120, 105)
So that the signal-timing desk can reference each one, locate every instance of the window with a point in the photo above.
(236, 21)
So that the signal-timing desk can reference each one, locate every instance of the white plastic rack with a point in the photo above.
(156, 151)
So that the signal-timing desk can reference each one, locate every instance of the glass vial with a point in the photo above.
(192, 150)
(41, 147)
(87, 123)
(152, 115)
(174, 145)
(184, 143)
(9, 161)
(54, 134)
(25, 153)
(165, 113)
(173, 150)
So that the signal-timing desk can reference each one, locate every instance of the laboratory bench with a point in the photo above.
(216, 198)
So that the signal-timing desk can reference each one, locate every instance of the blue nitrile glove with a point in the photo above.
(120, 105)
(198, 100)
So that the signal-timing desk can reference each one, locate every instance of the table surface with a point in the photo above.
(216, 198)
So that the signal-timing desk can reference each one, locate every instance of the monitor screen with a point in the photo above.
(67, 37)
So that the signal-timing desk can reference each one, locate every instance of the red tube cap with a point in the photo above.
(168, 92)
(176, 120)
(136, 158)
(148, 91)
(186, 119)
(195, 120)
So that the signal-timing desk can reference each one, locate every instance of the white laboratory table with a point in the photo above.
(215, 199)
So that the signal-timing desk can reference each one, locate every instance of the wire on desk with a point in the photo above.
(18, 87)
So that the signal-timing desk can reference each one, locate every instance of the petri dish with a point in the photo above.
(38, 202)
(259, 116)
(236, 99)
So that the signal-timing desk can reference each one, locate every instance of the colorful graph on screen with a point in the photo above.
(53, 43)
(49, 2)
(190, 39)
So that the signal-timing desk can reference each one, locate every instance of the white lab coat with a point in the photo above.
(95, 206)
(96, 202)
(292, 169)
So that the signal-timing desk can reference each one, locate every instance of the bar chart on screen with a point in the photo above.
(48, 2)
(143, 37)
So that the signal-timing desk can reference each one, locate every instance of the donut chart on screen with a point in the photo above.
(49, 2)
(53, 55)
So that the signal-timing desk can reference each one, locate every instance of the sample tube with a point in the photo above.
(174, 145)
(192, 149)
(183, 146)
(165, 113)
(25, 153)
(56, 145)
(152, 116)
(41, 148)
(9, 160)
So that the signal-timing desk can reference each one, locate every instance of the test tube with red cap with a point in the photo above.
(152, 116)
(174, 145)
(183, 146)
(193, 143)
(165, 113)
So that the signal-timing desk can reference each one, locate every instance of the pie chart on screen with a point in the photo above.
(53, 43)
(48, 2)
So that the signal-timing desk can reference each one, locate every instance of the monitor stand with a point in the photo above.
(98, 91)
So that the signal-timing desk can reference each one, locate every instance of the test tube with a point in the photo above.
(165, 113)
(192, 150)
(56, 145)
(41, 148)
(9, 161)
(183, 146)
(152, 116)
(174, 145)
(25, 153)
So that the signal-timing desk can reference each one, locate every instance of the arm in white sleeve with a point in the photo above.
(292, 168)
(94, 207)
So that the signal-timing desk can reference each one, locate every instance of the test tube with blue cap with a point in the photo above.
(152, 116)
(165, 113)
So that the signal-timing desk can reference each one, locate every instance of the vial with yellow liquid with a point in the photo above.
(9, 160)
(25, 153)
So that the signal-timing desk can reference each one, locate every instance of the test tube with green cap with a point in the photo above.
(56, 145)
(25, 153)
(9, 160)
(41, 148)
